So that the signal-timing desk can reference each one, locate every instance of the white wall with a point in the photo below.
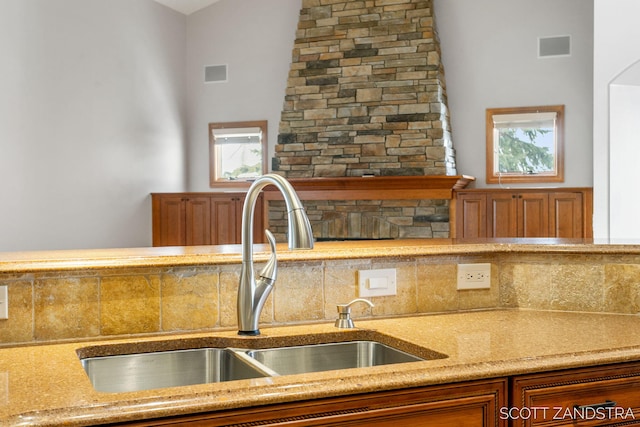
(489, 51)
(95, 93)
(616, 48)
(255, 39)
(91, 120)
(624, 151)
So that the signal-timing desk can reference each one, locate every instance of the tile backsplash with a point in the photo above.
(96, 303)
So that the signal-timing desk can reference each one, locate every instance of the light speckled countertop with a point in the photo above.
(46, 385)
(60, 260)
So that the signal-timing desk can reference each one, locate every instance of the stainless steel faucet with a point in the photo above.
(252, 292)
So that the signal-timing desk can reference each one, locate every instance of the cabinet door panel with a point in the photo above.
(170, 219)
(579, 397)
(224, 217)
(533, 215)
(198, 221)
(502, 215)
(471, 216)
(566, 216)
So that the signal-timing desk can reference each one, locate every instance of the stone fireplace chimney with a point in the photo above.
(366, 93)
(366, 97)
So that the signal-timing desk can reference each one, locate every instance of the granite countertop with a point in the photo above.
(61, 260)
(46, 385)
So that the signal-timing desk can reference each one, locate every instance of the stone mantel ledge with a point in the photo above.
(66, 260)
(480, 344)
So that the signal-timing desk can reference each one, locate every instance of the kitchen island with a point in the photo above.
(46, 385)
(553, 306)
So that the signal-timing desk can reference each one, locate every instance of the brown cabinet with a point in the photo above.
(598, 396)
(180, 220)
(518, 215)
(185, 219)
(571, 214)
(558, 213)
(472, 404)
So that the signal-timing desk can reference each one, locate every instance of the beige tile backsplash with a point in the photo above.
(45, 307)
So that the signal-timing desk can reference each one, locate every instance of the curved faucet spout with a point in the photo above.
(252, 292)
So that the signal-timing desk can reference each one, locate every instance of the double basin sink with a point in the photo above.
(159, 369)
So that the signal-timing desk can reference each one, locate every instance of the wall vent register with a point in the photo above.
(549, 47)
(215, 73)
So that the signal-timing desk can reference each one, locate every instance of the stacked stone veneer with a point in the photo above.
(365, 93)
(368, 219)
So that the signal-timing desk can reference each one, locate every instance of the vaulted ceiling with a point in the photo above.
(187, 6)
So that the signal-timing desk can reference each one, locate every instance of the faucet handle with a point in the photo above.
(344, 320)
(270, 270)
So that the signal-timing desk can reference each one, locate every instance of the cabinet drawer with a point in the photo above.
(608, 395)
(471, 404)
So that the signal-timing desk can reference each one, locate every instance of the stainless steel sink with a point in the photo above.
(329, 357)
(159, 369)
(144, 371)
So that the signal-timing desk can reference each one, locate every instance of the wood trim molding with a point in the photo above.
(375, 188)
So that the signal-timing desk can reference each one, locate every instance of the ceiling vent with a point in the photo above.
(552, 47)
(215, 73)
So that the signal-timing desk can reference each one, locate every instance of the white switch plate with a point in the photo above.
(474, 276)
(4, 302)
(377, 283)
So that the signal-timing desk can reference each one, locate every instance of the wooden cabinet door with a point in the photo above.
(518, 214)
(599, 396)
(524, 213)
(533, 214)
(225, 228)
(502, 215)
(168, 221)
(471, 404)
(180, 220)
(226, 219)
(566, 215)
(197, 219)
(471, 216)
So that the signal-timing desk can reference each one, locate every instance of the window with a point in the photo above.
(237, 152)
(525, 144)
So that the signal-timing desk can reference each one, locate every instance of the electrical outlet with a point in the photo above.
(474, 276)
(377, 283)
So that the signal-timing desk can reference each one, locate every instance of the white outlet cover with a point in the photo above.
(377, 283)
(474, 276)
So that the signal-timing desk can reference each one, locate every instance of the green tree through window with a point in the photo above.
(519, 151)
(525, 144)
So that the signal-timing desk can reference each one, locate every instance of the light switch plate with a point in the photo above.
(4, 302)
(377, 283)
